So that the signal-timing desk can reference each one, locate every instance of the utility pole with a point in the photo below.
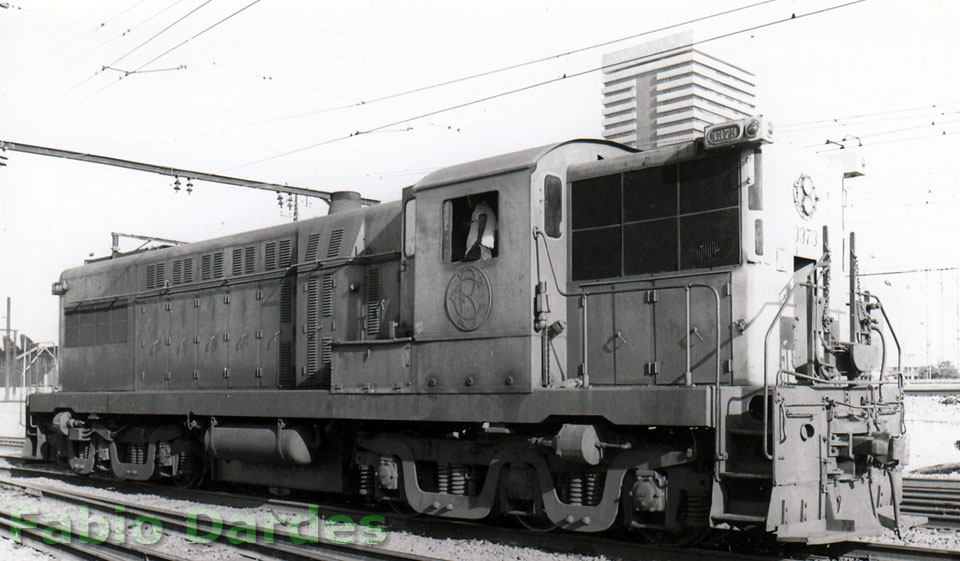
(8, 347)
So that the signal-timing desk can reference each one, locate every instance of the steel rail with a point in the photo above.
(860, 551)
(553, 542)
(936, 499)
(11, 441)
(283, 544)
(38, 534)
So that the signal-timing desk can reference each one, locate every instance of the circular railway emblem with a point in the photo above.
(468, 298)
(805, 196)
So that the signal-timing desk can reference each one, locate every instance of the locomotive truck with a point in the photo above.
(582, 335)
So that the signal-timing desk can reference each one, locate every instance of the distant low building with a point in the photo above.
(667, 91)
(39, 361)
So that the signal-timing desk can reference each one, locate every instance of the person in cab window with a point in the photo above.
(482, 237)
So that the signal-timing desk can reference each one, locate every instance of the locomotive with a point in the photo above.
(582, 335)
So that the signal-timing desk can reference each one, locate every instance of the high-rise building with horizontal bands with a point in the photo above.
(667, 91)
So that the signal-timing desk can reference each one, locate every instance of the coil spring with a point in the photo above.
(366, 480)
(593, 493)
(575, 489)
(458, 479)
(136, 453)
(186, 463)
(443, 478)
(84, 451)
(694, 508)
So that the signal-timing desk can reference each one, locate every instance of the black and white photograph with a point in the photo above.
(451, 280)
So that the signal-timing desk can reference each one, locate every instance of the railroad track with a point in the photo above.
(576, 544)
(937, 499)
(283, 542)
(11, 442)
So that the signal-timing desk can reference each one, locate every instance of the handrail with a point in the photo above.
(688, 374)
(896, 340)
(886, 319)
(766, 383)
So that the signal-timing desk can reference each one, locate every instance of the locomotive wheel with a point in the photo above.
(191, 478)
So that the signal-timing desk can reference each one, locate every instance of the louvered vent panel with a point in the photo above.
(237, 261)
(327, 302)
(206, 267)
(161, 275)
(178, 272)
(286, 301)
(151, 276)
(270, 256)
(313, 322)
(313, 244)
(287, 376)
(188, 269)
(285, 253)
(326, 356)
(249, 259)
(218, 265)
(336, 238)
(373, 301)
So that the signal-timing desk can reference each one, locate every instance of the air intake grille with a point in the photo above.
(326, 355)
(218, 265)
(313, 321)
(161, 276)
(287, 377)
(327, 302)
(178, 271)
(188, 269)
(270, 256)
(206, 267)
(313, 244)
(285, 254)
(373, 301)
(249, 257)
(286, 301)
(151, 276)
(336, 239)
(237, 261)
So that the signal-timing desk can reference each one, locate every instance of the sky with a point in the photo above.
(276, 91)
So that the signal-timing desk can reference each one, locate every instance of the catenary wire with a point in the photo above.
(894, 131)
(94, 75)
(491, 72)
(77, 38)
(842, 123)
(157, 34)
(154, 59)
(872, 114)
(793, 17)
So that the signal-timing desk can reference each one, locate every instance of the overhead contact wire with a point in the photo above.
(157, 34)
(793, 17)
(154, 59)
(499, 70)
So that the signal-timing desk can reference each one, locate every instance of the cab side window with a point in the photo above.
(470, 227)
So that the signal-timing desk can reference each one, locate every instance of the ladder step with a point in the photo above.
(745, 475)
(730, 517)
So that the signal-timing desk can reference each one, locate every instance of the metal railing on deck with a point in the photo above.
(584, 296)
